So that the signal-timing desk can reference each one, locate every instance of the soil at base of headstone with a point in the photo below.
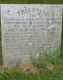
(27, 68)
(30, 68)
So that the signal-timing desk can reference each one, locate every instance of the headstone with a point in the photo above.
(28, 30)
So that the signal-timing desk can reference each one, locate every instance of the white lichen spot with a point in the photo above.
(45, 31)
(37, 55)
(51, 27)
(37, 16)
(50, 21)
(30, 43)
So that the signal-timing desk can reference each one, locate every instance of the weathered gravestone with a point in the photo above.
(28, 30)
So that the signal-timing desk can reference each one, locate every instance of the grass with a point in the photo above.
(62, 40)
(33, 1)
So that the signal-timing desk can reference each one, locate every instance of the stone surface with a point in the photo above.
(28, 30)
